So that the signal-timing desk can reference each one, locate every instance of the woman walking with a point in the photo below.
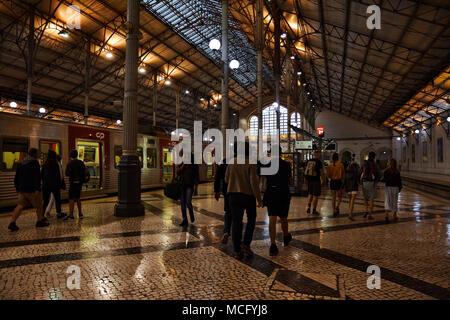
(52, 182)
(335, 173)
(351, 183)
(277, 198)
(189, 177)
(393, 187)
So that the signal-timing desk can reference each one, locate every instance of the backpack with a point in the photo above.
(310, 170)
(368, 174)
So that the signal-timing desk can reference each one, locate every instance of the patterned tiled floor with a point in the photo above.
(151, 257)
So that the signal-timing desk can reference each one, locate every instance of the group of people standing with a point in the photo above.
(347, 177)
(40, 187)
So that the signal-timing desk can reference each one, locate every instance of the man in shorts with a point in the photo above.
(77, 173)
(28, 185)
(314, 177)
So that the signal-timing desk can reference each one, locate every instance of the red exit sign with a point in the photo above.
(320, 131)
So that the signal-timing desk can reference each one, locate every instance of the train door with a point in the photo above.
(91, 153)
(46, 145)
(167, 164)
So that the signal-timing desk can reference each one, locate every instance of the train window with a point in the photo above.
(151, 158)
(45, 146)
(117, 155)
(140, 152)
(13, 152)
(151, 141)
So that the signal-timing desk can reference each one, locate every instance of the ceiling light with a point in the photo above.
(234, 113)
(304, 84)
(109, 55)
(292, 57)
(215, 105)
(142, 70)
(234, 64)
(283, 36)
(41, 110)
(448, 119)
(119, 121)
(416, 131)
(398, 138)
(214, 44)
(13, 104)
(307, 92)
(202, 99)
(299, 72)
(187, 92)
(167, 82)
(63, 33)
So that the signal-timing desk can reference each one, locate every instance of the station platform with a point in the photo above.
(431, 183)
(151, 257)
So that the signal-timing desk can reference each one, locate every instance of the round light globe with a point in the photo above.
(234, 64)
(214, 44)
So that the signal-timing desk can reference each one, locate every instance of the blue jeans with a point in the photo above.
(186, 201)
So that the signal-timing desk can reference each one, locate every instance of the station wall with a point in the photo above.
(424, 152)
(355, 137)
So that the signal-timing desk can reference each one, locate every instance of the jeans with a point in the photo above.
(186, 201)
(56, 193)
(239, 203)
(228, 216)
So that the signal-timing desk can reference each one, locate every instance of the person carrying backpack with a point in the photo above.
(393, 187)
(314, 176)
(369, 177)
(78, 174)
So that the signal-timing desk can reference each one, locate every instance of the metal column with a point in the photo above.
(177, 107)
(87, 80)
(225, 116)
(30, 61)
(155, 97)
(129, 197)
(276, 64)
(259, 48)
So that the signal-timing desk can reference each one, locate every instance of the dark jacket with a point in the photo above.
(76, 171)
(51, 176)
(277, 190)
(219, 179)
(28, 176)
(392, 179)
(188, 174)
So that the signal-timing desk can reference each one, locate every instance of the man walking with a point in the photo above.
(28, 185)
(77, 173)
(220, 186)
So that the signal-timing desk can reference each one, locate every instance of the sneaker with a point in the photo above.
(61, 215)
(315, 212)
(225, 238)
(183, 223)
(69, 217)
(308, 211)
(192, 218)
(13, 226)
(273, 250)
(287, 239)
(365, 214)
(246, 249)
(80, 216)
(42, 223)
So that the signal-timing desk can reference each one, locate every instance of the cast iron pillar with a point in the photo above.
(259, 48)
(129, 199)
(225, 116)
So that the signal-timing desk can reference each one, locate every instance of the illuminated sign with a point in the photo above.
(320, 131)
(303, 145)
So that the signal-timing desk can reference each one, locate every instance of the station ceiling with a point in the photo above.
(385, 76)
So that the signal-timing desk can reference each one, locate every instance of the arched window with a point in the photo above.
(296, 120)
(269, 120)
(253, 126)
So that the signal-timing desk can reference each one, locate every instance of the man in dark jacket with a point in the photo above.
(220, 186)
(28, 185)
(77, 173)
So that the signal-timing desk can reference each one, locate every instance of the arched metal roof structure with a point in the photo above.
(384, 76)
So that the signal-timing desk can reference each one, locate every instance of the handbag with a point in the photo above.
(173, 190)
